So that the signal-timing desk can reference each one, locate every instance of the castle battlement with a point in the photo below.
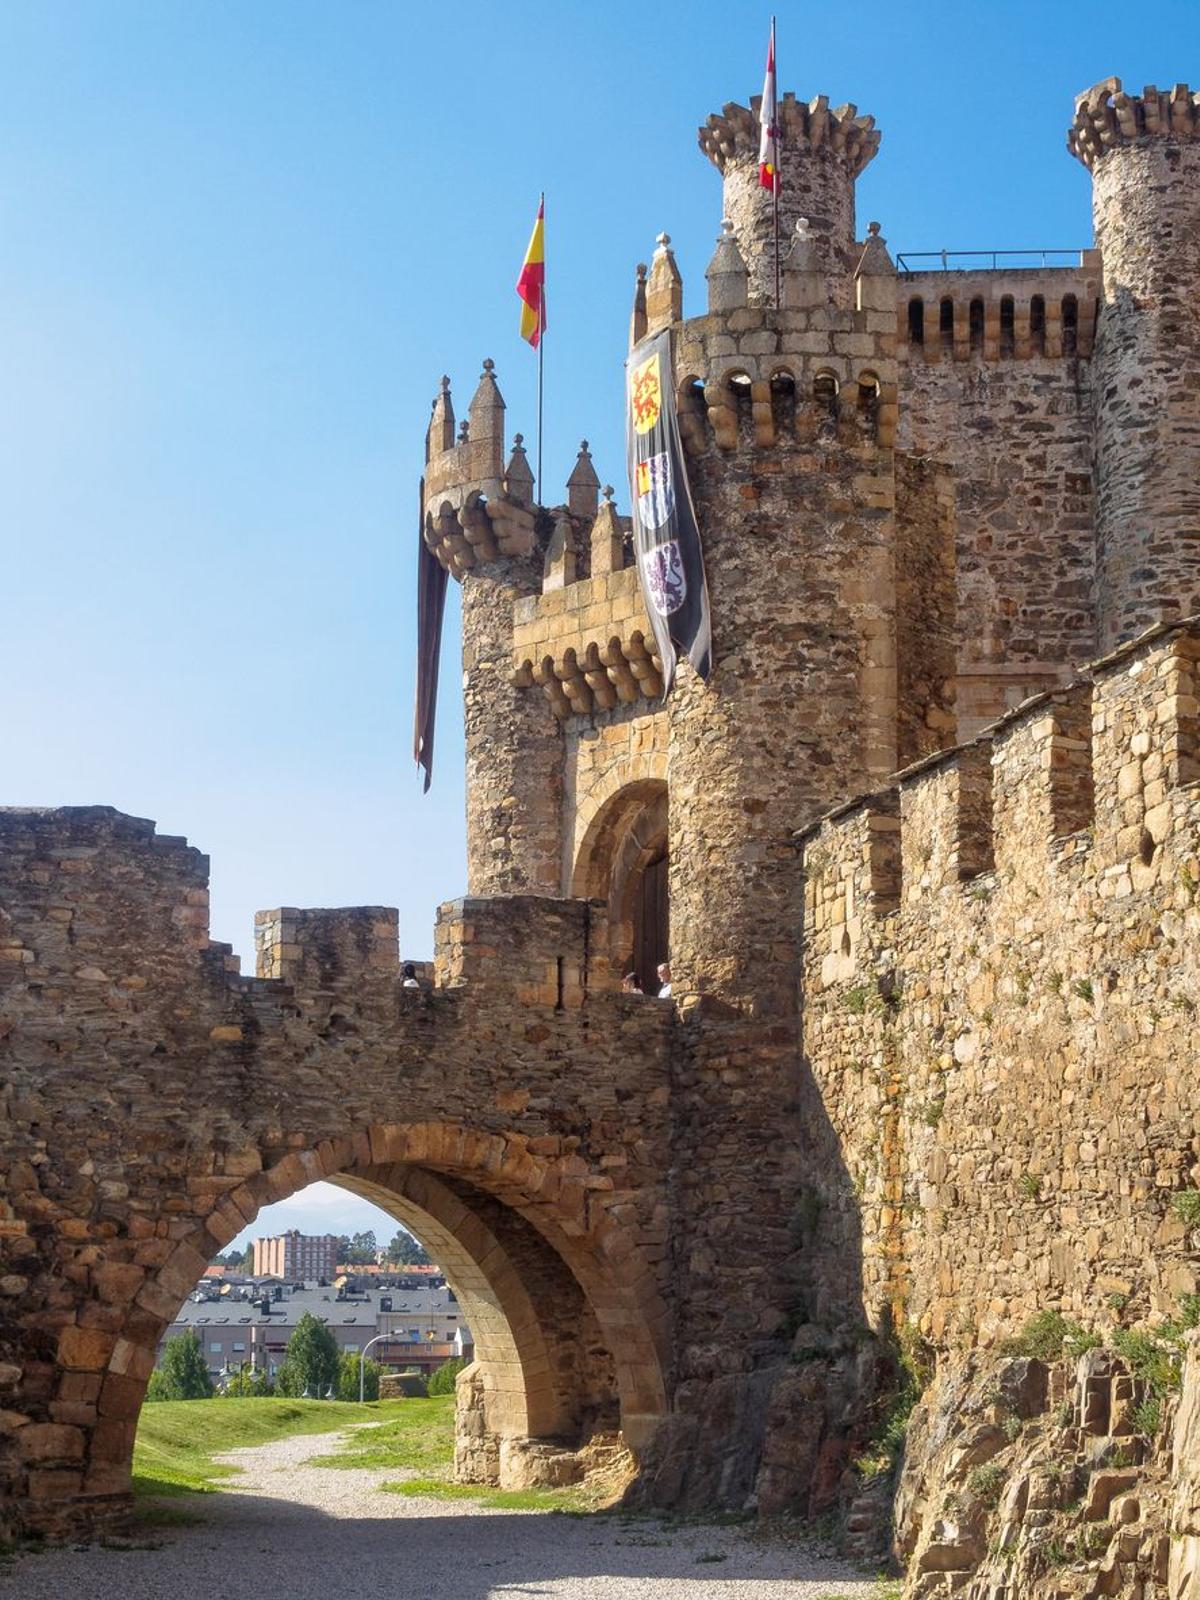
(1092, 787)
(999, 314)
(733, 133)
(1106, 117)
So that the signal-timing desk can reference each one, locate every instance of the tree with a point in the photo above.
(183, 1372)
(442, 1381)
(359, 1251)
(347, 1383)
(246, 1384)
(405, 1251)
(311, 1361)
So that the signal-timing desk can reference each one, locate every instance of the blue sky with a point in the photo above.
(239, 243)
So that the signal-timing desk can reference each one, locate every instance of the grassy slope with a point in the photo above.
(419, 1444)
(177, 1439)
(414, 1436)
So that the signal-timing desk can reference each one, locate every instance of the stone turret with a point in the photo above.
(822, 152)
(478, 517)
(1143, 152)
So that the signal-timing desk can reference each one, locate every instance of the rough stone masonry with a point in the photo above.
(927, 1069)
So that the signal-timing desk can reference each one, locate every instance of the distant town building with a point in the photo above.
(242, 1322)
(297, 1257)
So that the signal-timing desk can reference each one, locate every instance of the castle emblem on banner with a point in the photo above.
(655, 491)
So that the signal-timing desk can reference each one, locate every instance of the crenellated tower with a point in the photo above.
(676, 818)
(823, 151)
(1143, 152)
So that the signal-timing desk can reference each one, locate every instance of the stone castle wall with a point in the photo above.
(1011, 422)
(153, 1100)
(1001, 994)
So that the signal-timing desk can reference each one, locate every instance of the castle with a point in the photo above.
(927, 1071)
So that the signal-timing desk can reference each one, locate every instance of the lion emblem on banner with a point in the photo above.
(666, 581)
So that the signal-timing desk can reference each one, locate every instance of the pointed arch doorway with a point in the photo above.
(623, 860)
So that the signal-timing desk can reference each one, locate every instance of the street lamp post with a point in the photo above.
(362, 1357)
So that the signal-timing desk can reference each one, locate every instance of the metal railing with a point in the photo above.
(948, 260)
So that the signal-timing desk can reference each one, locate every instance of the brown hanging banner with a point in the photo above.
(432, 578)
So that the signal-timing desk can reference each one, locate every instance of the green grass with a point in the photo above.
(565, 1500)
(177, 1439)
(417, 1436)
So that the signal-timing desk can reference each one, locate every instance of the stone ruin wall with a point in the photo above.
(1001, 998)
(153, 1099)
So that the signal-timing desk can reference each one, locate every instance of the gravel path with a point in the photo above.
(286, 1531)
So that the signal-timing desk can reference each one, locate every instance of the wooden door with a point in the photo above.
(651, 924)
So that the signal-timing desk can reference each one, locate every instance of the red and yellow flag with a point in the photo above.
(531, 285)
(768, 117)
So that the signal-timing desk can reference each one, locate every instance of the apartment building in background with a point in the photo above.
(297, 1257)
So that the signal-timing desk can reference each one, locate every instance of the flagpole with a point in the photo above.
(778, 166)
(541, 364)
(541, 351)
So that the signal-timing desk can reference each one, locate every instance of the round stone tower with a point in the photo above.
(1143, 152)
(822, 152)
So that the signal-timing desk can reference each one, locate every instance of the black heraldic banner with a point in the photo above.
(666, 537)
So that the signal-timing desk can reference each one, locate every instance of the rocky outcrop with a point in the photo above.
(1032, 1480)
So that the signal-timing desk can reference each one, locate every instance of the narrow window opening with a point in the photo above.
(1008, 330)
(1146, 848)
(783, 400)
(845, 940)
(1070, 325)
(691, 396)
(1037, 325)
(946, 322)
(739, 393)
(975, 324)
(868, 392)
(916, 320)
(558, 962)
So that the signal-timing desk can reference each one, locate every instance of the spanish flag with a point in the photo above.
(531, 285)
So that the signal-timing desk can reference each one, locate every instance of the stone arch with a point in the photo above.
(626, 836)
(485, 1198)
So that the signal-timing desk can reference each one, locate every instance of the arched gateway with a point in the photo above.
(161, 1100)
